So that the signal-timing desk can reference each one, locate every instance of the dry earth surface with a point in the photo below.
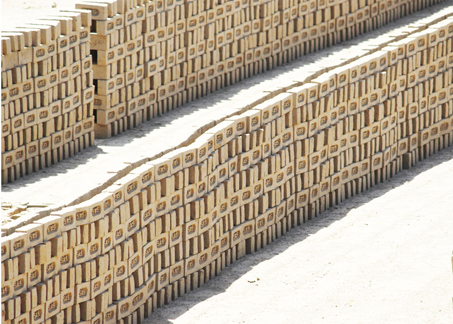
(383, 256)
(19, 12)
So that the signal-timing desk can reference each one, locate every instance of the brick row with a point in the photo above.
(47, 92)
(151, 57)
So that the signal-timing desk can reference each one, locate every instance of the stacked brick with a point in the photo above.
(174, 223)
(150, 57)
(47, 93)
(122, 92)
(153, 56)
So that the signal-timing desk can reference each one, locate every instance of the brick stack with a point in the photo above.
(148, 58)
(153, 56)
(174, 223)
(363, 122)
(47, 93)
(118, 64)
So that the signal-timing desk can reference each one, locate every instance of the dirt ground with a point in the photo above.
(15, 13)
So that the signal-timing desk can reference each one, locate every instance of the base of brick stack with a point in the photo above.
(46, 159)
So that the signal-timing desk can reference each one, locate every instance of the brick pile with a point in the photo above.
(174, 223)
(148, 57)
(151, 57)
(47, 92)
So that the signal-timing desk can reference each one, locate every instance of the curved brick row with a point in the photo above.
(173, 223)
(143, 58)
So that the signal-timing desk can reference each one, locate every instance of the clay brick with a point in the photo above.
(203, 259)
(19, 243)
(37, 314)
(162, 279)
(18, 285)
(52, 306)
(7, 290)
(176, 271)
(66, 259)
(98, 11)
(190, 265)
(248, 229)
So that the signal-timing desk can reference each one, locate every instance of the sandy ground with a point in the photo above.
(15, 13)
(380, 257)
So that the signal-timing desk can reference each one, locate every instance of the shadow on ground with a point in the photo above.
(229, 275)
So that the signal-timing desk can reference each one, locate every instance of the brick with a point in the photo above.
(98, 11)
(19, 243)
(37, 314)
